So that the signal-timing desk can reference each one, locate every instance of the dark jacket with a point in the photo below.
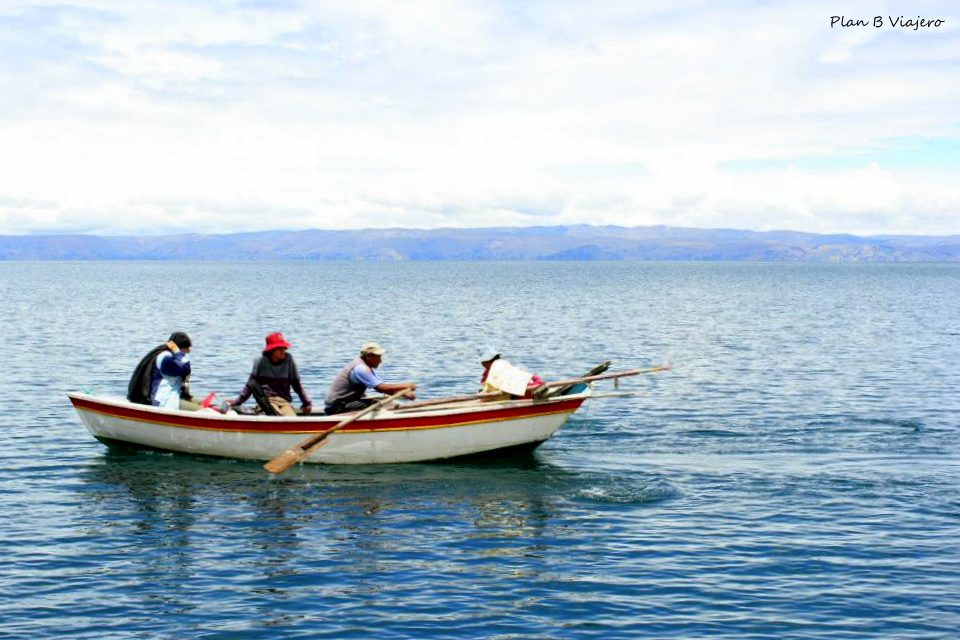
(275, 379)
(138, 389)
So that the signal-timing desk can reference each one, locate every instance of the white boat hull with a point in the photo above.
(387, 437)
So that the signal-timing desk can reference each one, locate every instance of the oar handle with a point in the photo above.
(450, 400)
(298, 452)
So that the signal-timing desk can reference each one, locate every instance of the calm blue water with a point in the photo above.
(796, 475)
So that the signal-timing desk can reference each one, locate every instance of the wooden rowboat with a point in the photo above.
(384, 436)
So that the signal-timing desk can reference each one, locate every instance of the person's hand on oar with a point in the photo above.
(407, 388)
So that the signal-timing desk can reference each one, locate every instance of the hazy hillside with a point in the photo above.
(505, 243)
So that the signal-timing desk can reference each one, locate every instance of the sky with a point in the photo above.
(155, 117)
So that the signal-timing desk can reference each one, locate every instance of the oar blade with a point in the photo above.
(297, 453)
(286, 460)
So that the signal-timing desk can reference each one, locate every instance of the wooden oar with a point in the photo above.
(559, 391)
(489, 395)
(450, 400)
(298, 452)
(543, 389)
(443, 404)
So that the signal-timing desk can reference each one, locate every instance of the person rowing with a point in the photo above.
(349, 386)
(275, 372)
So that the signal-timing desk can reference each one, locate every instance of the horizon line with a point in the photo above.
(53, 234)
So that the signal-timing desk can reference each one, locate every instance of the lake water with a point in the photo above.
(796, 475)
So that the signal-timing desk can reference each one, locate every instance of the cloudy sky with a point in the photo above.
(154, 117)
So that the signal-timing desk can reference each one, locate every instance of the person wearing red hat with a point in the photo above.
(275, 372)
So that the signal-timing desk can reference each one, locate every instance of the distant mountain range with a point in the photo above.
(578, 242)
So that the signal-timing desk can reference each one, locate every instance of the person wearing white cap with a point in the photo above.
(351, 383)
(488, 357)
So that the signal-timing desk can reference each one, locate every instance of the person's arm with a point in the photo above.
(247, 390)
(177, 365)
(245, 393)
(305, 402)
(389, 388)
(304, 398)
(372, 380)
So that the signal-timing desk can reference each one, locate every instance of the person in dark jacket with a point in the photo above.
(161, 377)
(275, 372)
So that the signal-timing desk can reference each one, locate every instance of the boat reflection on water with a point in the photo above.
(185, 520)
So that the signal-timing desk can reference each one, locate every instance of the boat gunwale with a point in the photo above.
(381, 422)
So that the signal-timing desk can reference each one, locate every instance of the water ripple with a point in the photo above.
(795, 475)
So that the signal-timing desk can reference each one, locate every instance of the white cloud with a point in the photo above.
(155, 117)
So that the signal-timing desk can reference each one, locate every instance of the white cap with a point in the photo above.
(372, 348)
(489, 354)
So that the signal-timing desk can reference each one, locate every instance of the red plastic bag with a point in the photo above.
(215, 402)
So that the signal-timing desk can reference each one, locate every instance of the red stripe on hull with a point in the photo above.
(313, 425)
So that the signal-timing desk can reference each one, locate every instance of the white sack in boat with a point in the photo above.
(506, 377)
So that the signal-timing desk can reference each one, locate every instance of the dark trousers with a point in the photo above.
(346, 407)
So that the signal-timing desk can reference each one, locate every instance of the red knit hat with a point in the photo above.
(275, 341)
